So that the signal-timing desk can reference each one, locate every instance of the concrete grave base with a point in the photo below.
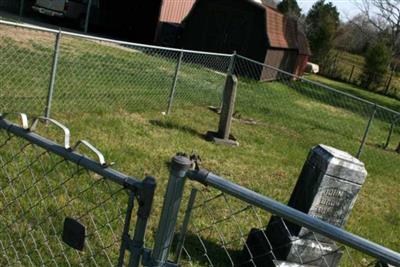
(214, 137)
(291, 250)
(314, 253)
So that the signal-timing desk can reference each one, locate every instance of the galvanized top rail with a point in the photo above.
(295, 216)
(322, 85)
(97, 38)
(131, 183)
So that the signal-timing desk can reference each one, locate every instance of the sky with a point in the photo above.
(347, 8)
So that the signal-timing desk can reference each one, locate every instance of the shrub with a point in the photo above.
(377, 59)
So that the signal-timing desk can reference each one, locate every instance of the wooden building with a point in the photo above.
(254, 30)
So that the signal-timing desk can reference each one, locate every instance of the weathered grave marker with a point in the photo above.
(326, 189)
(228, 106)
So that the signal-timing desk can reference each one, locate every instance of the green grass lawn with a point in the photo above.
(349, 67)
(354, 59)
(114, 96)
(357, 91)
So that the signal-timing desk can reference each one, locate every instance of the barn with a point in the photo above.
(304, 53)
(171, 16)
(252, 29)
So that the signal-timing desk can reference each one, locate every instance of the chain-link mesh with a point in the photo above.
(225, 231)
(341, 69)
(96, 75)
(25, 67)
(201, 79)
(104, 76)
(48, 202)
(307, 113)
(316, 113)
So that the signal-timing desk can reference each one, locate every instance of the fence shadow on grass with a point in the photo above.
(169, 125)
(211, 252)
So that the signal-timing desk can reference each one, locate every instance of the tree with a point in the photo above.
(384, 16)
(289, 8)
(377, 60)
(322, 22)
(350, 38)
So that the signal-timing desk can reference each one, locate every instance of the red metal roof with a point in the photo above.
(281, 30)
(174, 11)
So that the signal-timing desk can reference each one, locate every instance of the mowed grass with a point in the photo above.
(98, 76)
(359, 92)
(344, 68)
(113, 96)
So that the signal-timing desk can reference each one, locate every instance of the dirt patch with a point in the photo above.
(133, 117)
(236, 117)
(118, 46)
(25, 38)
(89, 45)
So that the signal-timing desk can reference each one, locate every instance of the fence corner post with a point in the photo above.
(231, 67)
(175, 81)
(53, 75)
(169, 214)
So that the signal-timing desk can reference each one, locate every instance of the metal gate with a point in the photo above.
(61, 208)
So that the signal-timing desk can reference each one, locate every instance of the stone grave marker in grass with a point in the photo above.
(223, 135)
(326, 189)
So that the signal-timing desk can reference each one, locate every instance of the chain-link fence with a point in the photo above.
(58, 73)
(340, 68)
(237, 235)
(49, 72)
(26, 59)
(60, 208)
(318, 113)
(225, 224)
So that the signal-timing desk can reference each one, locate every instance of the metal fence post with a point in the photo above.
(125, 233)
(87, 16)
(334, 67)
(169, 214)
(21, 8)
(364, 140)
(135, 245)
(389, 82)
(53, 75)
(185, 224)
(145, 204)
(390, 133)
(351, 74)
(231, 67)
(173, 88)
